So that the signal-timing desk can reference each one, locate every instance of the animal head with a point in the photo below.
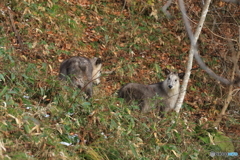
(172, 80)
(97, 65)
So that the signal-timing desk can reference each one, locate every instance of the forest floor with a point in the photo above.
(136, 41)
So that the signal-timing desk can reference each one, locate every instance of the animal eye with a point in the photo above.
(175, 80)
(168, 78)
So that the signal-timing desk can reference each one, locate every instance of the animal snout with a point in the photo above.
(97, 81)
(170, 86)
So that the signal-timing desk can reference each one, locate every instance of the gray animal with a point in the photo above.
(162, 95)
(82, 72)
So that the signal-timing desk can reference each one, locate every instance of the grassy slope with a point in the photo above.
(38, 112)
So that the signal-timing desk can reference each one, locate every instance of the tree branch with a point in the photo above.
(235, 57)
(165, 7)
(193, 50)
(232, 1)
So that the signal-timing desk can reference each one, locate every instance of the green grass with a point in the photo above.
(38, 112)
(103, 129)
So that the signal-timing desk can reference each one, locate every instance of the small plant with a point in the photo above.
(44, 118)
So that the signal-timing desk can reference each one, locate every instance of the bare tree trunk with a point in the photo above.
(193, 50)
(194, 39)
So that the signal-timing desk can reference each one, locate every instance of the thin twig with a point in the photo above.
(235, 56)
(19, 40)
(165, 7)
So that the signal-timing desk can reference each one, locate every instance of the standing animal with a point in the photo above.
(82, 72)
(162, 95)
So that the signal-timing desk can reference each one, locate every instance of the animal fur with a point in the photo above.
(82, 72)
(162, 95)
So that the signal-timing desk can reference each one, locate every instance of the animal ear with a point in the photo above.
(181, 75)
(98, 61)
(237, 81)
(95, 61)
(167, 71)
